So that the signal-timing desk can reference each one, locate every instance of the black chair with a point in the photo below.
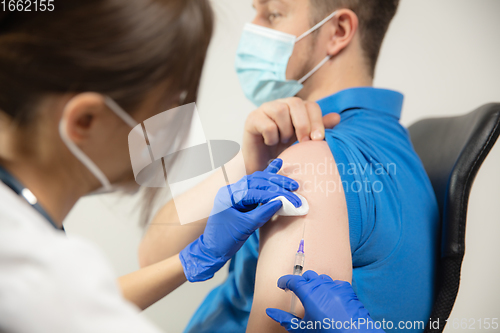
(452, 151)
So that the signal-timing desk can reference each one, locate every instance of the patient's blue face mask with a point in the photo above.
(262, 59)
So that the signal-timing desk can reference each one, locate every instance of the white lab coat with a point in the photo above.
(50, 283)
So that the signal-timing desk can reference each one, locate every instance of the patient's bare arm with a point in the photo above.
(326, 233)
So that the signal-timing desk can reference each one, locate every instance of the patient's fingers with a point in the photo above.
(266, 127)
(279, 112)
(284, 119)
(316, 120)
(300, 118)
(331, 120)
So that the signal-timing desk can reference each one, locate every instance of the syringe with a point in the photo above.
(298, 267)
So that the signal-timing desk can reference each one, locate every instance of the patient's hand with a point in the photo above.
(274, 126)
(327, 246)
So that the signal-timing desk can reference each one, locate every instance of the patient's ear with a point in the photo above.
(81, 115)
(341, 29)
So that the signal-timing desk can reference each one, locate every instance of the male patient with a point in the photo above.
(373, 217)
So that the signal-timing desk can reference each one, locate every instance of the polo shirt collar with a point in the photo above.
(380, 100)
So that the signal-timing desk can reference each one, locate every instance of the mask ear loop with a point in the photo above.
(315, 69)
(80, 155)
(307, 33)
(316, 27)
(110, 103)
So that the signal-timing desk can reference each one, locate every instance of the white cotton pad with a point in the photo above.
(289, 209)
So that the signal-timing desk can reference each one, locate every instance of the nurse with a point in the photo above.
(72, 81)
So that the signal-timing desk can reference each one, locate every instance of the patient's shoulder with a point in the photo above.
(308, 150)
(312, 164)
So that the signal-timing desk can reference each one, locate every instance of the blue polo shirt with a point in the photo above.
(393, 219)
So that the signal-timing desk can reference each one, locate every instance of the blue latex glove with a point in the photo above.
(323, 300)
(235, 216)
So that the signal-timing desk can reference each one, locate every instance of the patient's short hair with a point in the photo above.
(374, 19)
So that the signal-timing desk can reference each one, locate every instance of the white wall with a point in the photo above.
(443, 55)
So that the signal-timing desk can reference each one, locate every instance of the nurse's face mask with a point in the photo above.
(107, 187)
(262, 59)
(166, 132)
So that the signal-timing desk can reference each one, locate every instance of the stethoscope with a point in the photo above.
(16, 186)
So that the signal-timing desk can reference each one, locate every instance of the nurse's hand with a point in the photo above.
(324, 300)
(276, 125)
(236, 215)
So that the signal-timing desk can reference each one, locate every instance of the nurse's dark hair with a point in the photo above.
(119, 48)
(374, 18)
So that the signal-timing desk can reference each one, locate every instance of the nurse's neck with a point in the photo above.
(29, 154)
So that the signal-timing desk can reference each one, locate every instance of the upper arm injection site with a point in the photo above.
(289, 209)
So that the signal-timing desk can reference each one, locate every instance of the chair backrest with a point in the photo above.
(452, 151)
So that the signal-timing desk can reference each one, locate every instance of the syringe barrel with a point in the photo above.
(299, 263)
(298, 267)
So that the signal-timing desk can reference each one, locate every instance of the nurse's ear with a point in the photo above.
(81, 114)
(342, 31)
